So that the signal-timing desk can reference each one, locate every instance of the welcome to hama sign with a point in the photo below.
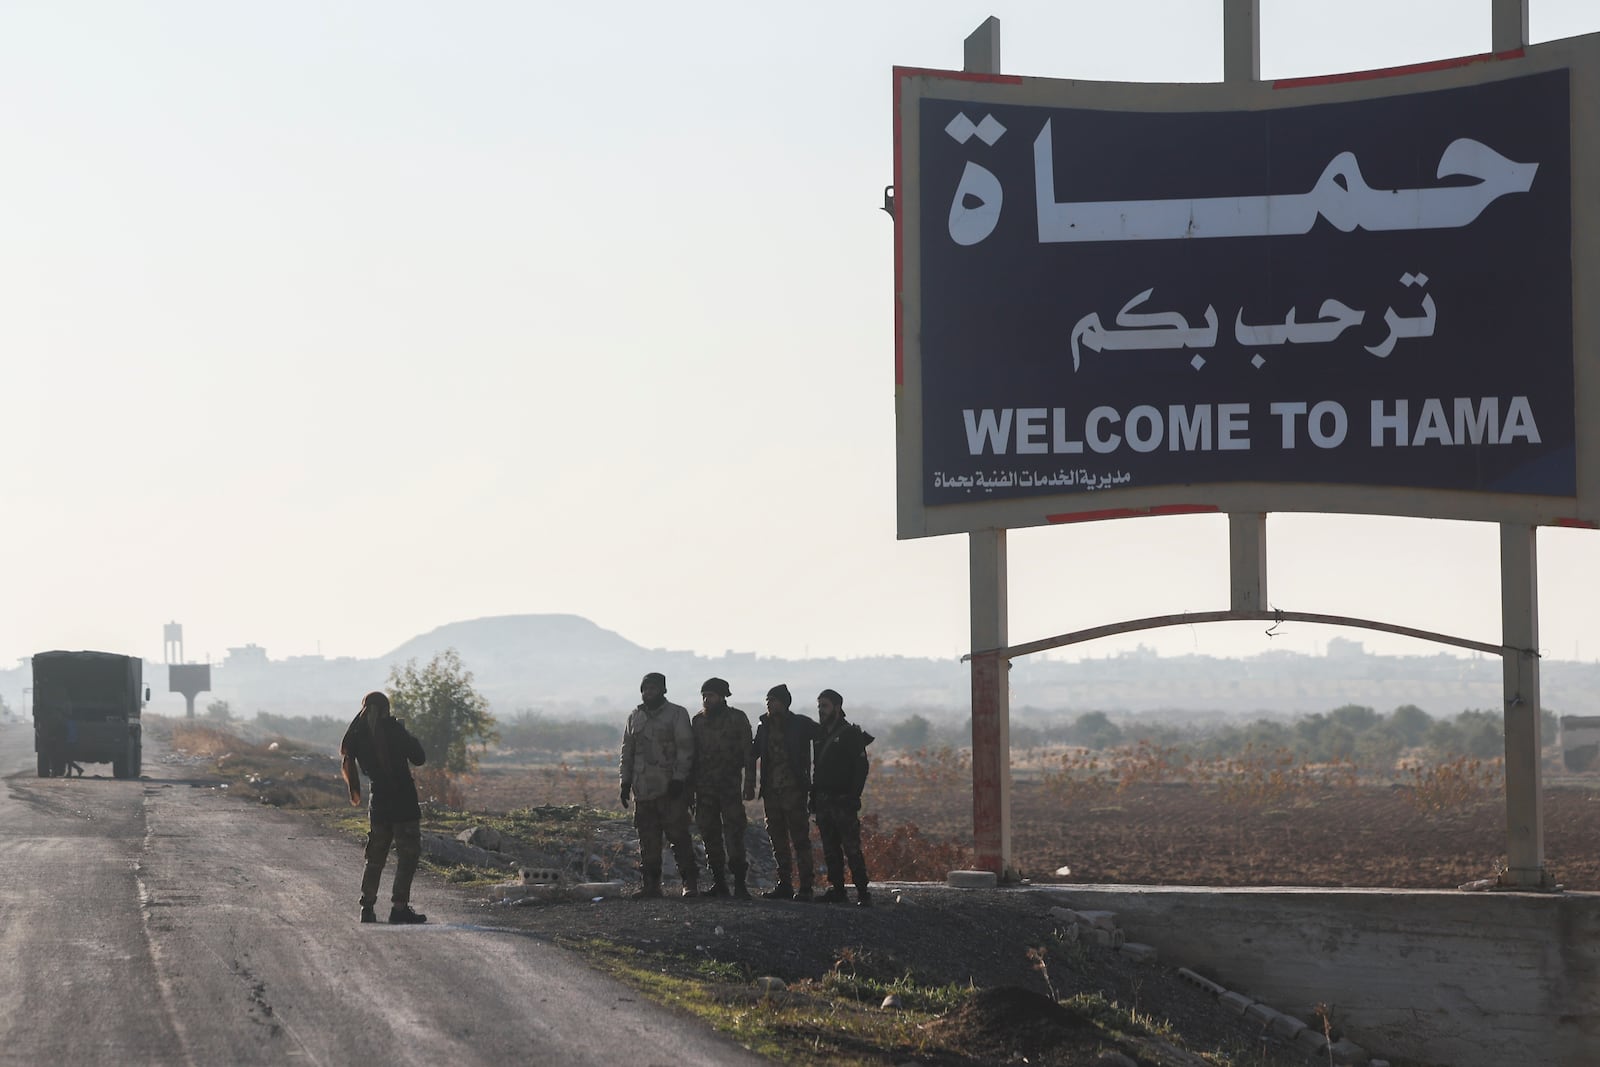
(1361, 295)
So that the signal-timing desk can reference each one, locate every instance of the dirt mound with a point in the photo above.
(1006, 1022)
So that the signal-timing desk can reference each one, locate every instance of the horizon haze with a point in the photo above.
(325, 323)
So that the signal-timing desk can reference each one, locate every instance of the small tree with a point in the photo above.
(219, 710)
(1410, 723)
(1094, 729)
(910, 733)
(443, 711)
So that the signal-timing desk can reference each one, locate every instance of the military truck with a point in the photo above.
(86, 709)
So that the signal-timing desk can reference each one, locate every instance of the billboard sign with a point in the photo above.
(1339, 296)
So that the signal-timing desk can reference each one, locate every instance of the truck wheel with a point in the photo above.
(58, 766)
(119, 767)
(44, 765)
(138, 758)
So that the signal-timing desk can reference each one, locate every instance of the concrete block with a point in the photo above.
(484, 837)
(1097, 937)
(1138, 952)
(1347, 1053)
(1287, 1027)
(1065, 915)
(972, 879)
(521, 893)
(1311, 1040)
(590, 890)
(1235, 1002)
(1261, 1013)
(1200, 980)
(1101, 920)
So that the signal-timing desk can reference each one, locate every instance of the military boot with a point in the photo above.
(402, 915)
(652, 885)
(804, 892)
(719, 883)
(863, 898)
(691, 882)
(782, 891)
(835, 893)
(740, 890)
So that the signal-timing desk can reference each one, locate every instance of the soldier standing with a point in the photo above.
(657, 754)
(841, 774)
(783, 748)
(724, 778)
(379, 745)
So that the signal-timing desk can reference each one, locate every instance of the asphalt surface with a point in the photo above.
(157, 921)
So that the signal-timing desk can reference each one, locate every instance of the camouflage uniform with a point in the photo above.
(840, 774)
(724, 765)
(657, 750)
(783, 748)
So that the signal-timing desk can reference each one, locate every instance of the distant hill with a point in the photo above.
(566, 665)
(511, 642)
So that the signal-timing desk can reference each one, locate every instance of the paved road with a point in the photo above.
(155, 921)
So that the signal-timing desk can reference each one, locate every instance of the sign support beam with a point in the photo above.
(1241, 41)
(991, 667)
(1509, 25)
(1519, 621)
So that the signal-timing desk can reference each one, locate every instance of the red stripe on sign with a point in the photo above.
(1394, 72)
(1134, 513)
(958, 75)
(1578, 524)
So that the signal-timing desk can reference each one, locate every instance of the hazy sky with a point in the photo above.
(323, 325)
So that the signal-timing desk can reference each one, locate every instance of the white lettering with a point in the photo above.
(1232, 425)
(1382, 423)
(1341, 424)
(1096, 417)
(1519, 422)
(987, 428)
(1061, 443)
(1190, 428)
(1432, 425)
(1476, 427)
(1148, 440)
(1287, 410)
(1031, 431)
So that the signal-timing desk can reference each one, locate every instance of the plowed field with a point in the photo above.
(1180, 834)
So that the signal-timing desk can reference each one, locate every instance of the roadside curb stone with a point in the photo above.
(972, 879)
(1311, 1041)
(1200, 980)
(1345, 1051)
(1138, 952)
(1238, 1002)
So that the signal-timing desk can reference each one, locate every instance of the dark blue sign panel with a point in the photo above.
(1373, 293)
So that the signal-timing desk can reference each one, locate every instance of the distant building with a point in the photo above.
(1344, 648)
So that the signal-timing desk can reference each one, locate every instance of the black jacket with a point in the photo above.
(798, 733)
(841, 760)
(394, 794)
